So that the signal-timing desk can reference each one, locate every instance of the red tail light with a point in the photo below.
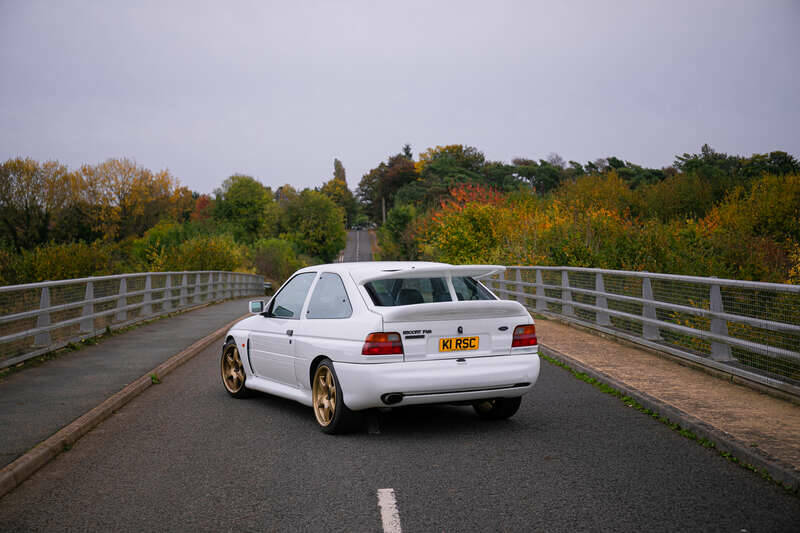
(524, 336)
(383, 344)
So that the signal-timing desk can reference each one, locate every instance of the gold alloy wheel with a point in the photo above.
(232, 370)
(324, 395)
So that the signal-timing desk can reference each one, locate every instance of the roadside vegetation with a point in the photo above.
(708, 214)
(117, 217)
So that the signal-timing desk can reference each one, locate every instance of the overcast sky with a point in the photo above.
(276, 90)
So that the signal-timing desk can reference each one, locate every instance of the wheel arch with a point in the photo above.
(313, 368)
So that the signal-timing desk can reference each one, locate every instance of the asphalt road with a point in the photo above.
(185, 456)
(39, 401)
(359, 246)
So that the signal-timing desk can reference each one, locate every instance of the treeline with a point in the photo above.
(117, 217)
(709, 214)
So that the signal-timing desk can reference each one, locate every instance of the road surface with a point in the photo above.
(359, 246)
(185, 456)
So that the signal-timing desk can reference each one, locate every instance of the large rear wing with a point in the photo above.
(473, 271)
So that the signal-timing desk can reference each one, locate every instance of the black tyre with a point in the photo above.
(331, 413)
(232, 371)
(497, 408)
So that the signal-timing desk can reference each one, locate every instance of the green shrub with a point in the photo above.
(276, 259)
(51, 262)
(203, 252)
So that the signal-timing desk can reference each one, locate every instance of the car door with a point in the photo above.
(272, 350)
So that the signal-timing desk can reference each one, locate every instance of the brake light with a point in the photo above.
(382, 344)
(524, 336)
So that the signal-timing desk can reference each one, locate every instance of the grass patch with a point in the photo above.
(630, 402)
(154, 379)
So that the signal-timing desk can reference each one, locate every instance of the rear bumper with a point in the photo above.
(441, 381)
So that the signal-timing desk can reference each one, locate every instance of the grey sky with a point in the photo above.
(278, 89)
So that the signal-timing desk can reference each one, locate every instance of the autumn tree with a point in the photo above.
(336, 189)
(32, 195)
(131, 199)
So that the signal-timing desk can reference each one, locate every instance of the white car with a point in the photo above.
(346, 337)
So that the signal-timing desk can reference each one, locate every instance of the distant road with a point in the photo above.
(359, 246)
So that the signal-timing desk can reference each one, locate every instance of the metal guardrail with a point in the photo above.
(745, 328)
(37, 318)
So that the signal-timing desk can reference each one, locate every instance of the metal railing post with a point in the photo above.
(43, 319)
(541, 303)
(566, 295)
(168, 293)
(649, 331)
(520, 288)
(719, 350)
(229, 285)
(87, 324)
(147, 309)
(602, 318)
(184, 291)
(122, 301)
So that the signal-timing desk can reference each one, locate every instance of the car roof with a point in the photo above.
(366, 271)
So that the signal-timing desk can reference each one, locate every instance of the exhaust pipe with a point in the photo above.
(391, 398)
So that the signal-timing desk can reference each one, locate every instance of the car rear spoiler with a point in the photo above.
(454, 311)
(473, 271)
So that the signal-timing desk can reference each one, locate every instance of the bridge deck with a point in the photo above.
(37, 402)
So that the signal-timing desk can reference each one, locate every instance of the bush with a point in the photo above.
(276, 259)
(204, 252)
(51, 262)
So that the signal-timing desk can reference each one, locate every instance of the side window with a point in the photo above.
(289, 301)
(329, 299)
(469, 289)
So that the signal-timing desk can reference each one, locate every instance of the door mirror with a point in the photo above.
(257, 306)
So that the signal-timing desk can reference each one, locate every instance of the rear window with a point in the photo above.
(469, 289)
(408, 291)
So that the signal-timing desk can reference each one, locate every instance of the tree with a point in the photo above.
(31, 196)
(381, 184)
(556, 160)
(336, 189)
(395, 238)
(242, 201)
(338, 171)
(315, 224)
(130, 198)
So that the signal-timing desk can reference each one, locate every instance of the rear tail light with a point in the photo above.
(524, 336)
(382, 344)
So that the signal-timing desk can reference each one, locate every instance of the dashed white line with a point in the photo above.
(390, 516)
(358, 241)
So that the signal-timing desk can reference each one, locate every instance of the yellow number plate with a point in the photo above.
(458, 344)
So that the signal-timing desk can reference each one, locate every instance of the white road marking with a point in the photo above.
(358, 240)
(390, 516)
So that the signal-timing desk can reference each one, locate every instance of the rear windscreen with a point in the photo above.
(408, 291)
(399, 291)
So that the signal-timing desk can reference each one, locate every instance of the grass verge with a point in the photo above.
(631, 402)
